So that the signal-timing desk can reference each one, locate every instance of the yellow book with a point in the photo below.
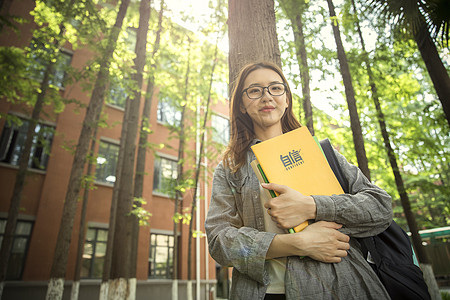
(295, 159)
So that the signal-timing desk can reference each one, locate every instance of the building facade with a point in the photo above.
(48, 177)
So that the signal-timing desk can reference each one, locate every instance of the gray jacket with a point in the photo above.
(236, 237)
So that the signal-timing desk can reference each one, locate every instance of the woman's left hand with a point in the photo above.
(290, 208)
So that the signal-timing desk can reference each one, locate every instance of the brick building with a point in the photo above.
(48, 176)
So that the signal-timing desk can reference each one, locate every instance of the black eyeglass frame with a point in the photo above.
(265, 87)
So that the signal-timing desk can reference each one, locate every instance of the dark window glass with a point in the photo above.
(94, 253)
(13, 140)
(19, 249)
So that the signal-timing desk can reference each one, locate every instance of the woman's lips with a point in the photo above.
(267, 109)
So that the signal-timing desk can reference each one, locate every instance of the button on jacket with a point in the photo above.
(236, 237)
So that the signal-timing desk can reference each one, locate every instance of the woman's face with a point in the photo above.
(265, 112)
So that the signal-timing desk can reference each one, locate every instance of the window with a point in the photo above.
(19, 248)
(94, 253)
(160, 259)
(13, 140)
(221, 129)
(41, 55)
(165, 176)
(107, 162)
(117, 94)
(168, 113)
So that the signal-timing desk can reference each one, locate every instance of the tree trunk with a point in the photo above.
(252, 34)
(438, 73)
(121, 258)
(410, 218)
(82, 228)
(200, 156)
(19, 184)
(294, 11)
(58, 271)
(142, 150)
(180, 177)
(350, 95)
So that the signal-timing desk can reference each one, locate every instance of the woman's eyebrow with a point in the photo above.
(258, 84)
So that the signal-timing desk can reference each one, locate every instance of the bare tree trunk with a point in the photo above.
(252, 34)
(294, 11)
(180, 178)
(200, 156)
(410, 218)
(58, 271)
(358, 139)
(121, 258)
(19, 184)
(436, 69)
(142, 150)
(82, 231)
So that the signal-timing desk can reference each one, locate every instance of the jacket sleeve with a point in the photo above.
(365, 211)
(230, 242)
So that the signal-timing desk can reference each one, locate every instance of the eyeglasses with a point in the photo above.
(274, 89)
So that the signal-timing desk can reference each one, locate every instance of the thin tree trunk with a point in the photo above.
(438, 73)
(180, 177)
(295, 16)
(142, 150)
(82, 230)
(106, 274)
(252, 34)
(58, 271)
(19, 184)
(121, 258)
(200, 156)
(410, 218)
(358, 139)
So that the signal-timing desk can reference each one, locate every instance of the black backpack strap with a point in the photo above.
(334, 164)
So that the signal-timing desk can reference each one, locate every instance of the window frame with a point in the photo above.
(37, 68)
(95, 243)
(165, 107)
(216, 136)
(3, 218)
(109, 142)
(13, 139)
(152, 256)
(157, 175)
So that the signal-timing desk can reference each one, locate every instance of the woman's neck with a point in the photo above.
(268, 133)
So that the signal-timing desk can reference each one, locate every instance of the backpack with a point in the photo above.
(390, 253)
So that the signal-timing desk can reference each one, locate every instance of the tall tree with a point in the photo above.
(49, 66)
(199, 163)
(412, 224)
(252, 34)
(82, 228)
(143, 145)
(420, 18)
(58, 271)
(122, 279)
(294, 11)
(358, 139)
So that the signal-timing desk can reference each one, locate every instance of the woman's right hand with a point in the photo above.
(320, 241)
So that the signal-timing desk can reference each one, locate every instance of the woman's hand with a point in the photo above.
(320, 241)
(290, 208)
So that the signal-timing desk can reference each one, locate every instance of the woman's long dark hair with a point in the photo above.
(241, 125)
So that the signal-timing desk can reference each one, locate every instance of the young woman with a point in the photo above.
(248, 232)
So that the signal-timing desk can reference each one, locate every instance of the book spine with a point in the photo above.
(298, 228)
